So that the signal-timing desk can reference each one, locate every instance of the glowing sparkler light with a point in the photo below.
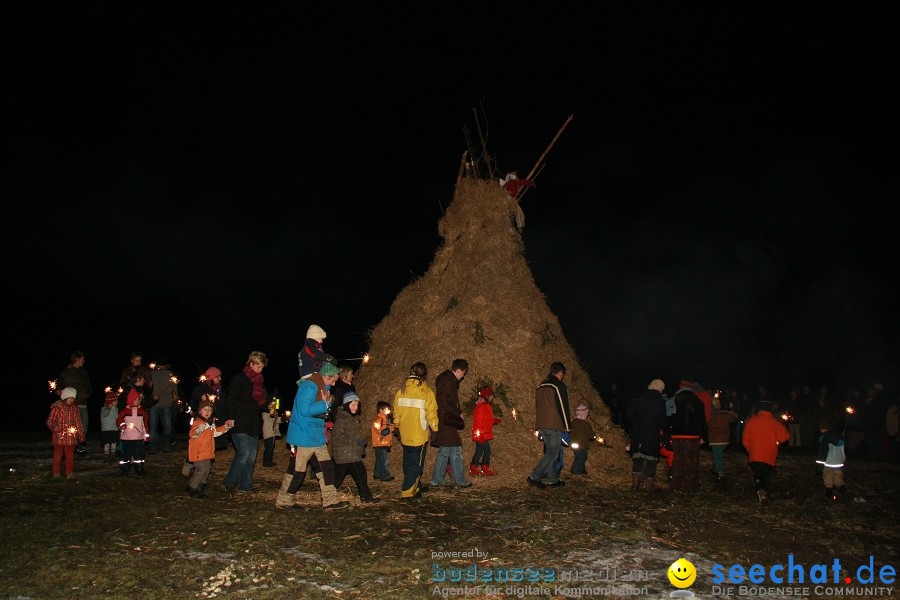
(73, 430)
(785, 417)
(131, 426)
(203, 378)
(515, 415)
(287, 414)
(850, 410)
(107, 389)
(173, 379)
(365, 358)
(478, 433)
(52, 385)
(536, 433)
(152, 365)
(376, 424)
(211, 398)
(600, 440)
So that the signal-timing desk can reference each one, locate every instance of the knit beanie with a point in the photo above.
(486, 392)
(581, 412)
(133, 397)
(68, 392)
(315, 332)
(329, 369)
(764, 405)
(212, 373)
(204, 404)
(350, 397)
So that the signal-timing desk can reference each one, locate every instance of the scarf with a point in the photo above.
(259, 393)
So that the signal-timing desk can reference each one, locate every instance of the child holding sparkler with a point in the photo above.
(348, 448)
(582, 436)
(271, 421)
(134, 427)
(483, 422)
(382, 439)
(202, 447)
(830, 462)
(65, 423)
(109, 429)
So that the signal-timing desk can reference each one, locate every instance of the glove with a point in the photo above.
(385, 431)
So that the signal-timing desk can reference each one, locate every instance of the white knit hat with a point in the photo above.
(315, 332)
(657, 384)
(68, 392)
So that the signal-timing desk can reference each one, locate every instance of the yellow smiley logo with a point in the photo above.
(682, 573)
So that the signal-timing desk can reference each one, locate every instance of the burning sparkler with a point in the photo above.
(364, 358)
(73, 430)
(515, 415)
(52, 385)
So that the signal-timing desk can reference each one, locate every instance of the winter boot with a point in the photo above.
(635, 482)
(474, 470)
(139, 470)
(126, 467)
(105, 448)
(650, 485)
(487, 471)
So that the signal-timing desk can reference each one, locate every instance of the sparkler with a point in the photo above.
(478, 433)
(600, 439)
(173, 379)
(515, 415)
(849, 410)
(52, 385)
(364, 358)
(73, 430)
(786, 416)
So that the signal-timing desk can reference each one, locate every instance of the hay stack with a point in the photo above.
(479, 301)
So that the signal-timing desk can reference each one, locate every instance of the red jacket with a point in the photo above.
(483, 422)
(65, 423)
(762, 434)
(380, 424)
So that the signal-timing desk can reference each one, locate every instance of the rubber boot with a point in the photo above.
(475, 470)
(125, 468)
(487, 471)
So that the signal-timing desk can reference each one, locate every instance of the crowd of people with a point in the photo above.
(322, 427)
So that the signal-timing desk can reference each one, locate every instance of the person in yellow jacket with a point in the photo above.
(415, 416)
(202, 447)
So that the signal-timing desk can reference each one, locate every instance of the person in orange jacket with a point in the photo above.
(483, 422)
(762, 435)
(382, 440)
(202, 447)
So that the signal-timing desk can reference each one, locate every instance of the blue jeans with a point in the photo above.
(240, 475)
(161, 420)
(580, 459)
(482, 454)
(413, 463)
(382, 471)
(719, 458)
(547, 468)
(451, 455)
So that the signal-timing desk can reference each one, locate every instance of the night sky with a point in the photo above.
(204, 182)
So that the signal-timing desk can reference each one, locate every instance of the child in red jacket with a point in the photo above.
(202, 447)
(483, 422)
(134, 428)
(65, 423)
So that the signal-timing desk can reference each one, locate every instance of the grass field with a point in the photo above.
(104, 535)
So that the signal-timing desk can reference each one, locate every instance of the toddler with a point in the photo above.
(65, 423)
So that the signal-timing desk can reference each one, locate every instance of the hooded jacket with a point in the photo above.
(415, 412)
(762, 434)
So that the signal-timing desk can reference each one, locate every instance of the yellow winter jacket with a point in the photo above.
(415, 412)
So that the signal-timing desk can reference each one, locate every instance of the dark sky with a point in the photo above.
(205, 182)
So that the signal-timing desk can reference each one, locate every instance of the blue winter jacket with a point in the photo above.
(307, 426)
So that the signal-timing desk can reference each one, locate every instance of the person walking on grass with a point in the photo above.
(552, 420)
(64, 421)
(306, 432)
(243, 404)
(415, 416)
(450, 422)
(762, 435)
(348, 448)
(647, 414)
(202, 447)
(382, 440)
(483, 422)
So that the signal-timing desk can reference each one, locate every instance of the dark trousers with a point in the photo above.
(132, 452)
(268, 451)
(413, 464)
(357, 471)
(482, 454)
(579, 461)
(762, 475)
(686, 463)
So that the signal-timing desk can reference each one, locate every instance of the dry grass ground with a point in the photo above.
(124, 537)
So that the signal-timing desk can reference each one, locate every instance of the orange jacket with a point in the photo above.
(201, 440)
(379, 425)
(762, 434)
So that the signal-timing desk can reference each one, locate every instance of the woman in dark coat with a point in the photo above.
(647, 414)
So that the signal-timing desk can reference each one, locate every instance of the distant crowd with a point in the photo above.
(323, 427)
